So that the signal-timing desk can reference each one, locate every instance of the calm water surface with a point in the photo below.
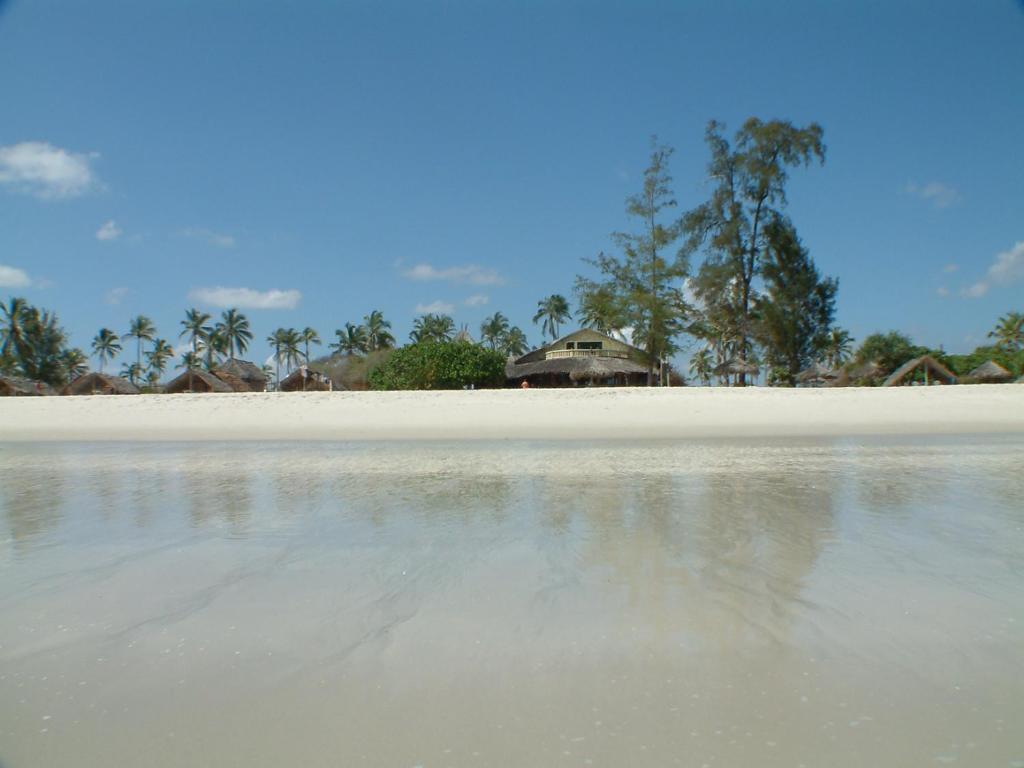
(816, 603)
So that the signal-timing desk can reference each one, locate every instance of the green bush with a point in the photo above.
(445, 365)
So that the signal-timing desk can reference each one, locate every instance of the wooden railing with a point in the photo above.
(559, 353)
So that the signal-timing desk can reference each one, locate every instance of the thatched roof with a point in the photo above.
(990, 372)
(578, 368)
(197, 381)
(930, 365)
(236, 384)
(817, 372)
(303, 379)
(16, 386)
(736, 366)
(250, 373)
(868, 370)
(100, 384)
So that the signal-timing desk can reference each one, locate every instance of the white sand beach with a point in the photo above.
(623, 413)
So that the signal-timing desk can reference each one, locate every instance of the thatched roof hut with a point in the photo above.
(303, 379)
(990, 373)
(586, 357)
(818, 375)
(934, 371)
(245, 376)
(197, 381)
(16, 386)
(736, 366)
(100, 384)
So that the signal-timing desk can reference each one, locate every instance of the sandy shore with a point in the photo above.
(518, 414)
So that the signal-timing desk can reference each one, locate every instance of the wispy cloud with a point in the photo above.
(109, 231)
(935, 192)
(115, 295)
(246, 298)
(468, 273)
(942, 291)
(950, 269)
(209, 236)
(435, 308)
(1006, 268)
(12, 277)
(476, 300)
(48, 172)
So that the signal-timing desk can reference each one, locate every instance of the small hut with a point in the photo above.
(817, 375)
(100, 384)
(934, 372)
(303, 379)
(735, 367)
(245, 376)
(197, 381)
(15, 386)
(990, 373)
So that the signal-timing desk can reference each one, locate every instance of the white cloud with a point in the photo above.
(942, 291)
(46, 171)
(435, 308)
(476, 300)
(469, 273)
(109, 231)
(12, 277)
(115, 295)
(950, 269)
(938, 194)
(213, 238)
(246, 298)
(1008, 267)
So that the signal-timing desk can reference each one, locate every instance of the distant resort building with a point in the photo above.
(100, 384)
(931, 369)
(818, 375)
(302, 379)
(583, 358)
(241, 372)
(198, 381)
(990, 373)
(15, 386)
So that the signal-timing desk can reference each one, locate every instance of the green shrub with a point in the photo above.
(445, 365)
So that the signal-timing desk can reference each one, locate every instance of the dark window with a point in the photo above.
(570, 345)
(589, 345)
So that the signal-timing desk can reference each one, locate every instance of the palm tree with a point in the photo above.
(157, 358)
(195, 324)
(351, 341)
(290, 342)
(74, 362)
(216, 346)
(378, 335)
(190, 360)
(233, 329)
(493, 329)
(12, 332)
(838, 347)
(598, 310)
(513, 343)
(275, 340)
(131, 371)
(106, 346)
(553, 310)
(1009, 332)
(141, 329)
(309, 336)
(700, 366)
(432, 328)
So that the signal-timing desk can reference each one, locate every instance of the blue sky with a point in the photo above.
(312, 161)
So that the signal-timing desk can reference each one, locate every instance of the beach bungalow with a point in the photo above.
(197, 381)
(244, 376)
(990, 373)
(15, 386)
(934, 372)
(869, 374)
(583, 358)
(100, 384)
(818, 375)
(302, 379)
(736, 366)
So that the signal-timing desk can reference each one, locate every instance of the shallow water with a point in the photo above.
(818, 603)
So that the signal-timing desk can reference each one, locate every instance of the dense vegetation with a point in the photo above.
(440, 365)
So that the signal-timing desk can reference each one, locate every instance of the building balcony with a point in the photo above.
(556, 354)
